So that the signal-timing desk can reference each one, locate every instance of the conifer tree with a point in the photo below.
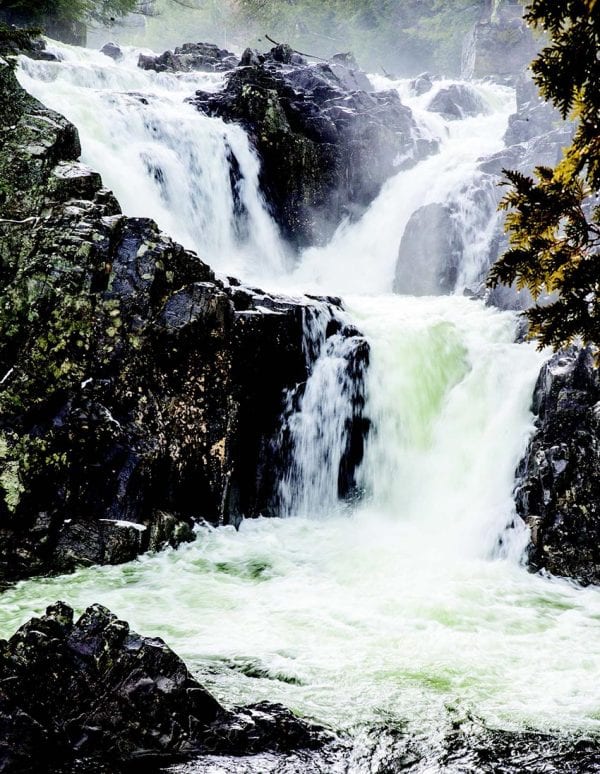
(553, 220)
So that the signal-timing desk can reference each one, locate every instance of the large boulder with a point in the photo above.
(138, 393)
(456, 102)
(430, 252)
(90, 693)
(327, 142)
(202, 57)
(558, 479)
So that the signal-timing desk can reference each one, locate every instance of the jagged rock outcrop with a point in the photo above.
(558, 479)
(327, 142)
(204, 57)
(138, 393)
(78, 695)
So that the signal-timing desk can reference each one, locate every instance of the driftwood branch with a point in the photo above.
(300, 53)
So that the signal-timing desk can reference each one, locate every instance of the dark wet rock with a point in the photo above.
(421, 84)
(462, 743)
(138, 393)
(558, 479)
(285, 54)
(251, 58)
(430, 252)
(327, 142)
(93, 692)
(204, 57)
(112, 50)
(456, 102)
(18, 41)
(501, 47)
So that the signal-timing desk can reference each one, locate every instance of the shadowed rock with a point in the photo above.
(456, 102)
(326, 140)
(558, 479)
(430, 253)
(93, 692)
(203, 57)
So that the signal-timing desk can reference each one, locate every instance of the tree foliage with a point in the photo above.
(553, 220)
(408, 34)
(69, 10)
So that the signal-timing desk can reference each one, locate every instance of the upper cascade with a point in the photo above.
(327, 140)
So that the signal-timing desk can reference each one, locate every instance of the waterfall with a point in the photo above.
(469, 52)
(323, 424)
(410, 602)
(196, 176)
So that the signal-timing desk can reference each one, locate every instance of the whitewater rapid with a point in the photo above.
(414, 601)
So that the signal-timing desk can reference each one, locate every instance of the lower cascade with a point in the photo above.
(392, 600)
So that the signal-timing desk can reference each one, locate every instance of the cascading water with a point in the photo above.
(322, 423)
(414, 601)
(197, 177)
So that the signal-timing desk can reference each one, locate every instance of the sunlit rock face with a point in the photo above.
(501, 46)
(138, 392)
(326, 140)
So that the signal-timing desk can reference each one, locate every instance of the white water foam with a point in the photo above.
(416, 601)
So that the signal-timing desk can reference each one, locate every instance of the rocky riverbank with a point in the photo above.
(558, 479)
(138, 393)
(89, 694)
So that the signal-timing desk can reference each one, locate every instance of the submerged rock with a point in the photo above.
(203, 57)
(138, 393)
(558, 479)
(112, 50)
(94, 693)
(326, 140)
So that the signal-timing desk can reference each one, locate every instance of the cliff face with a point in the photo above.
(137, 392)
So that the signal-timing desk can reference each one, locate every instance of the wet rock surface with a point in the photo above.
(430, 252)
(456, 102)
(112, 50)
(92, 695)
(138, 393)
(558, 479)
(326, 140)
(463, 745)
(203, 57)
